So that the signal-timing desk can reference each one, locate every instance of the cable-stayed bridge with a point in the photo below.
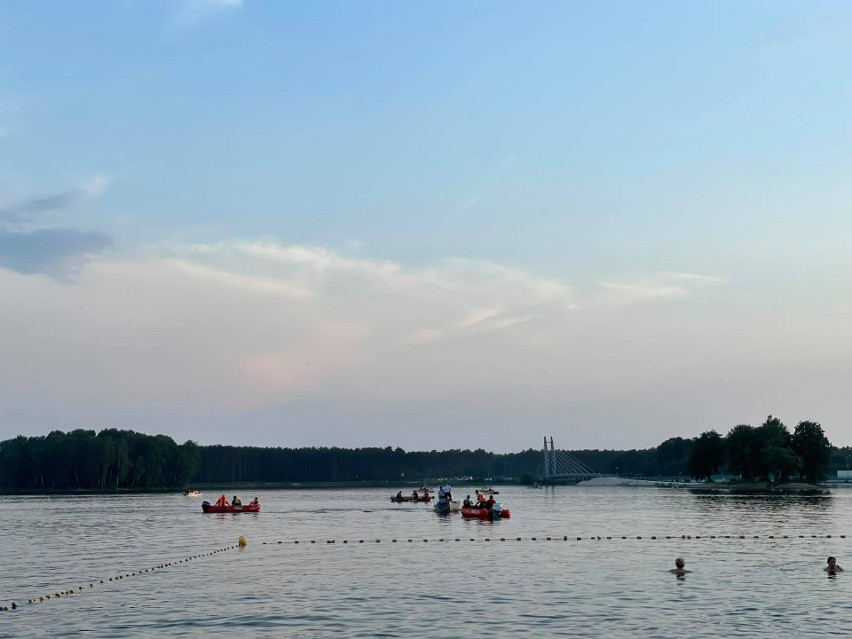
(559, 466)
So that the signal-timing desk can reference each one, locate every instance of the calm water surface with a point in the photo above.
(592, 588)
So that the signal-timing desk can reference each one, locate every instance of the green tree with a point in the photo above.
(812, 446)
(741, 442)
(708, 453)
(776, 459)
(673, 455)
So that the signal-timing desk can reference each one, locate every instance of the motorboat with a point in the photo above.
(495, 512)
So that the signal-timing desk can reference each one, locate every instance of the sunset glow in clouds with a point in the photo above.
(455, 227)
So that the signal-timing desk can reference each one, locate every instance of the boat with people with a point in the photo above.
(193, 493)
(495, 512)
(251, 507)
(399, 498)
(445, 507)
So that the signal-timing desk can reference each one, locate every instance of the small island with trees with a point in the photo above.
(769, 453)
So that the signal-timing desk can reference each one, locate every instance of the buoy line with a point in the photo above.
(544, 538)
(241, 542)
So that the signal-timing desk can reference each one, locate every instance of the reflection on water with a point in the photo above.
(784, 511)
(485, 584)
(802, 503)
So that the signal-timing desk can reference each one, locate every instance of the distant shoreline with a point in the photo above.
(791, 488)
(214, 489)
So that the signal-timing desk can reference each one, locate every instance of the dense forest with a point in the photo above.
(109, 459)
(123, 459)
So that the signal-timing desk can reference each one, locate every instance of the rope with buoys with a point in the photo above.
(546, 538)
(241, 543)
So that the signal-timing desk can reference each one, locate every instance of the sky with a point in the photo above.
(427, 225)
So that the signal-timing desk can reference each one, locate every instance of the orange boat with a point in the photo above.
(497, 512)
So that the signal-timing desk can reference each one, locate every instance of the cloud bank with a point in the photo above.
(268, 344)
(303, 344)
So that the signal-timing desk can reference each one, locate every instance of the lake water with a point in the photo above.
(468, 588)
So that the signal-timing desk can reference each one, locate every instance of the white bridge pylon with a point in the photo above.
(560, 465)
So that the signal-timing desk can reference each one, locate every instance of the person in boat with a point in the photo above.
(399, 496)
(236, 502)
(832, 565)
(480, 499)
(222, 501)
(415, 496)
(447, 490)
(254, 502)
(467, 502)
(490, 503)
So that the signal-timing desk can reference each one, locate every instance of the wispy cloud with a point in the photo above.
(190, 13)
(471, 202)
(29, 210)
(286, 323)
(29, 244)
(258, 328)
(694, 279)
(95, 185)
(488, 183)
(56, 252)
(479, 315)
(354, 245)
(23, 212)
(657, 287)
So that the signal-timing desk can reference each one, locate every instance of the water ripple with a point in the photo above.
(597, 588)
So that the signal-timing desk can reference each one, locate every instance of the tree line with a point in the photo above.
(123, 459)
(82, 459)
(768, 452)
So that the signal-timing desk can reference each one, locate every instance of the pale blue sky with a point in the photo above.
(350, 223)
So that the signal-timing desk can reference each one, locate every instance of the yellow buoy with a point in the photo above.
(242, 541)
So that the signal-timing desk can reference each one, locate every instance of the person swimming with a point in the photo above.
(832, 565)
(679, 568)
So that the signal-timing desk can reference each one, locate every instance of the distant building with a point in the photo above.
(844, 475)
